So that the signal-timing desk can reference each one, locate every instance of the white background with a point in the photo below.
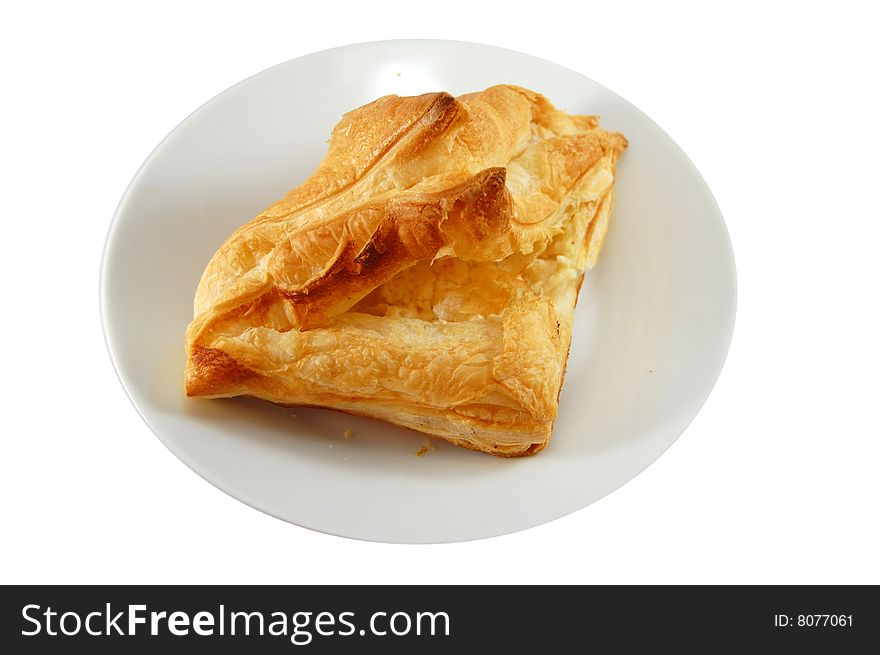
(777, 479)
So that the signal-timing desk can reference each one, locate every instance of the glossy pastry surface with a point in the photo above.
(425, 274)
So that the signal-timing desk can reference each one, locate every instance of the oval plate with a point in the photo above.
(651, 332)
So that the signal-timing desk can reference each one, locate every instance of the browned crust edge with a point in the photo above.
(411, 230)
(210, 369)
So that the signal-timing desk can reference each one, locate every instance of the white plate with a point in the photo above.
(652, 327)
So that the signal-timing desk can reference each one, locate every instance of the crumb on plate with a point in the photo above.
(426, 446)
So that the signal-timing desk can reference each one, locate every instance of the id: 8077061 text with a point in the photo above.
(812, 620)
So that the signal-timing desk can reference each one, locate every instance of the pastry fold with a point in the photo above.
(425, 274)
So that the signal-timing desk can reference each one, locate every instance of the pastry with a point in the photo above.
(425, 274)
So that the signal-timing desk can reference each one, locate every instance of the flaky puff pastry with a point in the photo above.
(425, 274)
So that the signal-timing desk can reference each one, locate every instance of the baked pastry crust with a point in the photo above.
(425, 274)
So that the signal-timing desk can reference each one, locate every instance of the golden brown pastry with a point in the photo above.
(425, 274)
